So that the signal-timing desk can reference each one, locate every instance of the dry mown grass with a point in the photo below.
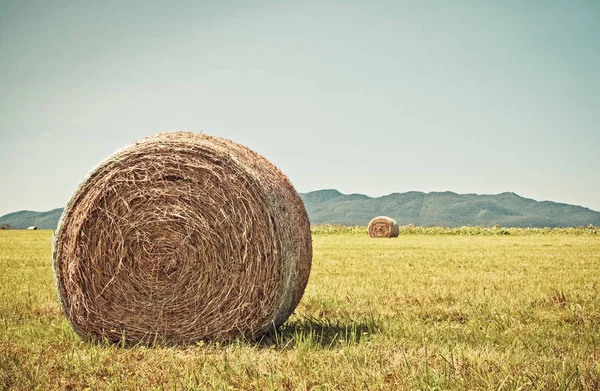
(421, 311)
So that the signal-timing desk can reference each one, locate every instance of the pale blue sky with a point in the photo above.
(369, 97)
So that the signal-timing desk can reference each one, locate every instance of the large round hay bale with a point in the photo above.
(383, 227)
(182, 237)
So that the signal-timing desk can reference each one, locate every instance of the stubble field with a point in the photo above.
(518, 310)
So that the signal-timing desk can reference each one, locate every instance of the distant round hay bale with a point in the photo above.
(182, 237)
(383, 227)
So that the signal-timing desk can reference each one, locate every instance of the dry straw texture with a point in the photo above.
(182, 237)
(383, 227)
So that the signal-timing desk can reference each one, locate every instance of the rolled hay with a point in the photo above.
(182, 237)
(383, 227)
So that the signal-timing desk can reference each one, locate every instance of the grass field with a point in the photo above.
(514, 310)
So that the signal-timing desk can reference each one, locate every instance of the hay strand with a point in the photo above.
(182, 237)
(383, 227)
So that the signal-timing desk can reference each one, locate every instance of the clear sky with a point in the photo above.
(368, 97)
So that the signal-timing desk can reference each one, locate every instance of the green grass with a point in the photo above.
(331, 229)
(516, 311)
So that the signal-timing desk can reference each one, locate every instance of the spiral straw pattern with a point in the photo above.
(182, 237)
(383, 227)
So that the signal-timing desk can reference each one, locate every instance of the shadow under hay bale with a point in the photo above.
(320, 332)
(182, 237)
(383, 227)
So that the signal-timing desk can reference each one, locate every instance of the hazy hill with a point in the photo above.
(27, 218)
(445, 209)
(423, 209)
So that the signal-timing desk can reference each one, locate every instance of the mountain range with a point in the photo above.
(27, 218)
(445, 209)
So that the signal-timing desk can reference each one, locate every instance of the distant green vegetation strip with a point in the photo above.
(329, 229)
